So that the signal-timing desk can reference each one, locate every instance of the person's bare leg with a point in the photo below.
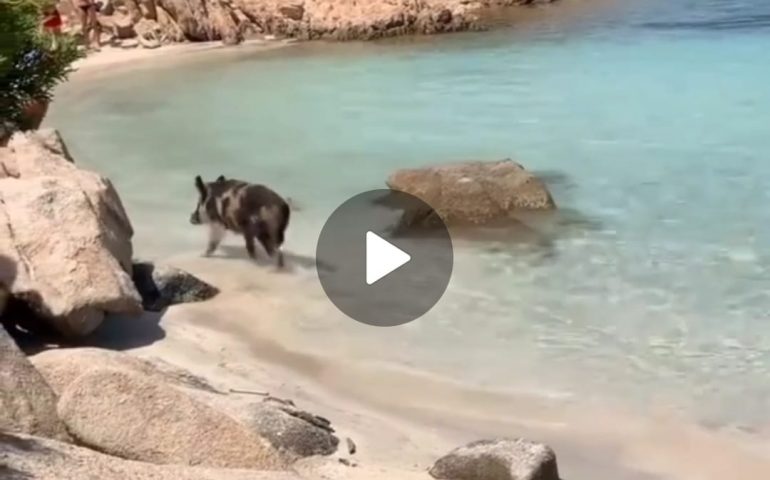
(96, 29)
(85, 29)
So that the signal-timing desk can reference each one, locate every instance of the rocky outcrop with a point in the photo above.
(515, 459)
(231, 21)
(26, 457)
(27, 403)
(161, 286)
(291, 429)
(295, 432)
(288, 428)
(473, 193)
(62, 367)
(67, 233)
(139, 418)
(358, 20)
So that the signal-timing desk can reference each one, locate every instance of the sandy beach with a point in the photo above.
(111, 59)
(403, 420)
(250, 338)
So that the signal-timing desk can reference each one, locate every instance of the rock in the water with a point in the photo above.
(66, 231)
(139, 418)
(505, 459)
(161, 286)
(474, 193)
(25, 457)
(62, 367)
(27, 403)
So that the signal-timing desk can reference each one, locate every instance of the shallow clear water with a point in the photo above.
(652, 120)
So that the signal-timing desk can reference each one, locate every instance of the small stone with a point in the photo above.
(351, 446)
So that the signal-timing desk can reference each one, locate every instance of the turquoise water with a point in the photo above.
(652, 121)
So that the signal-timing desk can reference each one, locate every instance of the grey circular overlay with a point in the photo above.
(375, 221)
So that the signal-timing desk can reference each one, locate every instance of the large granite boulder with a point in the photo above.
(67, 233)
(26, 457)
(61, 367)
(473, 193)
(27, 403)
(292, 431)
(161, 286)
(504, 459)
(139, 418)
(289, 429)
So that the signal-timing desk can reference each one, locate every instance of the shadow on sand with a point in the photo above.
(34, 334)
(117, 332)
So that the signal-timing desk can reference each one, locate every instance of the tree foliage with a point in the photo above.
(31, 62)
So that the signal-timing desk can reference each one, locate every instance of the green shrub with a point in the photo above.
(31, 62)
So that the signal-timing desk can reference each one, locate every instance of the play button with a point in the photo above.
(374, 269)
(382, 257)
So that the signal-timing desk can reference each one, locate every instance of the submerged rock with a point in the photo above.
(139, 418)
(161, 286)
(27, 403)
(473, 193)
(504, 459)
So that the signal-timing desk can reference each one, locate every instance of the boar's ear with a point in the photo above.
(221, 178)
(200, 185)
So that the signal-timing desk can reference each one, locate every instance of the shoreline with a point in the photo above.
(552, 14)
(395, 428)
(649, 443)
(112, 60)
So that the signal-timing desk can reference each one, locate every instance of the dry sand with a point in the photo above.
(111, 60)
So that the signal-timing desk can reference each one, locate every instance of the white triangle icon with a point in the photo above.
(382, 257)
